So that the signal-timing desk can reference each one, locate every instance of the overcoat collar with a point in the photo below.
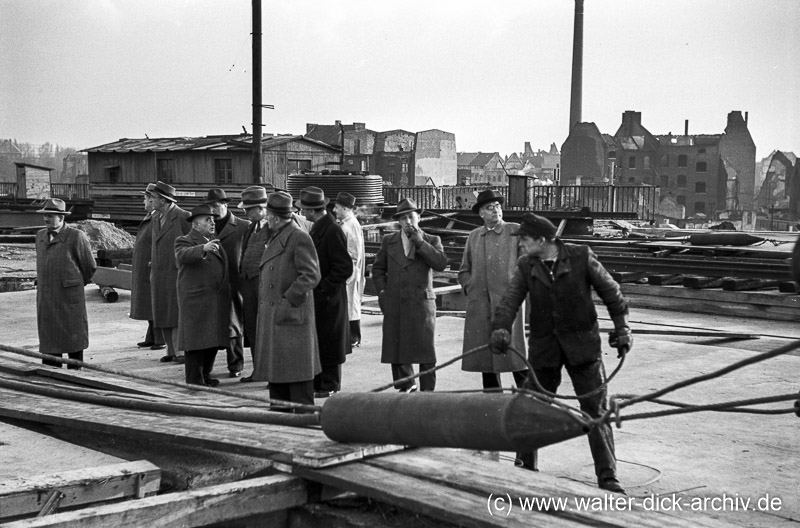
(230, 226)
(540, 271)
(321, 226)
(277, 244)
(396, 251)
(169, 217)
(60, 236)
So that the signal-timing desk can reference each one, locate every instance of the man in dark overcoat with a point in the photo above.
(169, 223)
(330, 295)
(254, 203)
(403, 277)
(231, 232)
(204, 296)
(64, 265)
(141, 303)
(559, 278)
(286, 333)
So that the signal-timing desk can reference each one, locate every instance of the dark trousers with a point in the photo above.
(355, 332)
(295, 392)
(491, 380)
(235, 353)
(427, 382)
(153, 335)
(330, 379)
(72, 355)
(199, 364)
(170, 339)
(585, 378)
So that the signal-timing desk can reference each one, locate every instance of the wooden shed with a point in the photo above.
(33, 181)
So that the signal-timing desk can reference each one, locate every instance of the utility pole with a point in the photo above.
(258, 176)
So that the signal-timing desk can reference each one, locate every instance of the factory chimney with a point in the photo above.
(575, 104)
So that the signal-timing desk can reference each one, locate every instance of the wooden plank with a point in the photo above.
(664, 279)
(628, 276)
(734, 284)
(448, 469)
(290, 445)
(697, 282)
(114, 277)
(206, 506)
(787, 287)
(25, 496)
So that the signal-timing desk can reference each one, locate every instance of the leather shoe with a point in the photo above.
(179, 359)
(158, 347)
(247, 379)
(167, 359)
(611, 484)
(212, 382)
(234, 374)
(410, 389)
(324, 394)
(142, 344)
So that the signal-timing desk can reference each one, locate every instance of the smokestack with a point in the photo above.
(686, 127)
(745, 118)
(575, 104)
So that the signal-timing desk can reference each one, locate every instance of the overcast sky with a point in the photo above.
(81, 73)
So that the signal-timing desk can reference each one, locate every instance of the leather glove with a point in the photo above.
(500, 341)
(621, 339)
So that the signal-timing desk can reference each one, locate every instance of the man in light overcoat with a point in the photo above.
(141, 301)
(64, 265)
(286, 332)
(403, 277)
(204, 297)
(345, 207)
(490, 258)
(170, 223)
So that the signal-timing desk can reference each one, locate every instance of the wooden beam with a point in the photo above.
(697, 282)
(214, 504)
(628, 276)
(734, 284)
(665, 279)
(114, 277)
(25, 496)
(787, 287)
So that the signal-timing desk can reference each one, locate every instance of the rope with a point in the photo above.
(115, 372)
(721, 407)
(182, 409)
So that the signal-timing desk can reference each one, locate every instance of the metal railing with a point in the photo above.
(639, 199)
(70, 191)
(8, 189)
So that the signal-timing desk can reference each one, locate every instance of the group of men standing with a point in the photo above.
(274, 282)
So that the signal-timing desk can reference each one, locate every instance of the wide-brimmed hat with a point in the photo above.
(216, 195)
(202, 209)
(312, 198)
(489, 195)
(254, 196)
(280, 202)
(535, 225)
(150, 188)
(164, 190)
(406, 206)
(346, 199)
(54, 206)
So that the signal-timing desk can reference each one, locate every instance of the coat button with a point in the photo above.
(272, 304)
(270, 286)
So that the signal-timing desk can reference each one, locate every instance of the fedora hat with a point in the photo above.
(201, 210)
(489, 195)
(165, 191)
(312, 198)
(535, 225)
(216, 195)
(280, 202)
(150, 188)
(346, 199)
(253, 196)
(54, 206)
(405, 206)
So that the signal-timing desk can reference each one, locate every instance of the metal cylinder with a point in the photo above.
(109, 293)
(491, 422)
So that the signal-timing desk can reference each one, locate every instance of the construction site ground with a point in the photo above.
(742, 467)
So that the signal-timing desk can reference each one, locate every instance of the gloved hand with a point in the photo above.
(500, 341)
(621, 339)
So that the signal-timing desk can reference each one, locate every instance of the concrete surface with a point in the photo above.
(705, 455)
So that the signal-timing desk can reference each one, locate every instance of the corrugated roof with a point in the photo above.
(222, 142)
